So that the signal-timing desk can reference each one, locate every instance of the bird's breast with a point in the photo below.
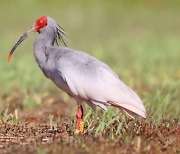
(59, 80)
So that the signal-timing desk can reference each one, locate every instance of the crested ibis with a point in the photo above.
(80, 75)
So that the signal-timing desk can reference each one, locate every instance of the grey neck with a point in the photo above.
(44, 39)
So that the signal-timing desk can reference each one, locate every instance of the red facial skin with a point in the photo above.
(40, 23)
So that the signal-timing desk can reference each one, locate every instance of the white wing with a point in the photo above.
(104, 88)
(92, 80)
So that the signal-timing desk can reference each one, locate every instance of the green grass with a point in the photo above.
(139, 40)
(12, 118)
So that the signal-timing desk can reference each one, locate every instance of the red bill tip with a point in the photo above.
(9, 57)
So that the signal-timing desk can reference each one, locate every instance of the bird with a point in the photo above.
(80, 75)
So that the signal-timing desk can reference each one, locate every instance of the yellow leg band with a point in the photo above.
(81, 127)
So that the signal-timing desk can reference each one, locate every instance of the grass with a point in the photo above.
(11, 118)
(139, 40)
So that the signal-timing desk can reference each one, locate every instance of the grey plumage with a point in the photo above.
(82, 76)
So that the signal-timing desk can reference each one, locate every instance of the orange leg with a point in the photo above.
(79, 122)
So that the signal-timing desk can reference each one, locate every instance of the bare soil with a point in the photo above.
(34, 134)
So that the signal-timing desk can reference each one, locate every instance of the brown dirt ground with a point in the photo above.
(35, 135)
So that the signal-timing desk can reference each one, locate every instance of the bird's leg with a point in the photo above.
(79, 122)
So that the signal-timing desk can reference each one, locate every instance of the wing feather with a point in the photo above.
(92, 80)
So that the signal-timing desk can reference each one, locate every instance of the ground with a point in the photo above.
(138, 39)
(41, 138)
(47, 129)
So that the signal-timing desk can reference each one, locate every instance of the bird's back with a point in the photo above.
(90, 79)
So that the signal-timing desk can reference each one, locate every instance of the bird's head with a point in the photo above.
(41, 24)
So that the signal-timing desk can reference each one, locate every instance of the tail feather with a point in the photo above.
(130, 110)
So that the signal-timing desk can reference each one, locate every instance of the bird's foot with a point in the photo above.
(80, 122)
(80, 129)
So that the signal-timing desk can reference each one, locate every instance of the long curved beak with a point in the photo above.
(22, 38)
